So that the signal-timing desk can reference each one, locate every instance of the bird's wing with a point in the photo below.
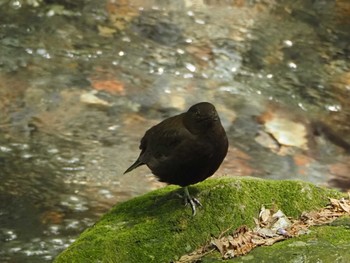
(161, 140)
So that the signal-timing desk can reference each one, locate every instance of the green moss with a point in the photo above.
(323, 244)
(157, 227)
(342, 221)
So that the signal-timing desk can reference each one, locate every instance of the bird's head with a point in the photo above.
(201, 116)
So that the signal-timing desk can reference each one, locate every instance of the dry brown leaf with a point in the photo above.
(265, 232)
(195, 255)
(219, 245)
(334, 202)
(270, 228)
(273, 240)
(264, 215)
(256, 221)
(344, 205)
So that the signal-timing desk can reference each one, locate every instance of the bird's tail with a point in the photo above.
(136, 164)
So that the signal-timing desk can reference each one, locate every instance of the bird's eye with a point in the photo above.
(198, 113)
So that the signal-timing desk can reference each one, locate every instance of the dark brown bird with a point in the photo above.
(185, 149)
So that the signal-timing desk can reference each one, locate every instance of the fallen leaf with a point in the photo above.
(219, 245)
(264, 215)
(345, 206)
(270, 228)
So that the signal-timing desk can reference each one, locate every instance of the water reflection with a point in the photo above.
(80, 82)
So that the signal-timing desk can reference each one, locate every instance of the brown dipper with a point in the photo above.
(185, 149)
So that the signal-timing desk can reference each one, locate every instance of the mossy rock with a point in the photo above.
(329, 243)
(157, 227)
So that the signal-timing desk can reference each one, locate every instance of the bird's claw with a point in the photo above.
(193, 202)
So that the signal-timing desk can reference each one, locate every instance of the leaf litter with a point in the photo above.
(270, 227)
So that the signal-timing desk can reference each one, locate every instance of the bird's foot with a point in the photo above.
(192, 201)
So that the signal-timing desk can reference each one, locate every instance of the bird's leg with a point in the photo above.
(191, 200)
